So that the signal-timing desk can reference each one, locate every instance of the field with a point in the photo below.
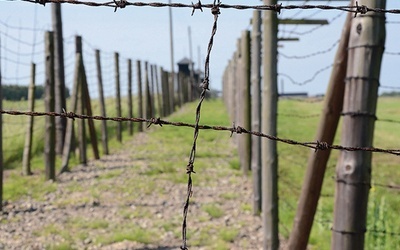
(163, 158)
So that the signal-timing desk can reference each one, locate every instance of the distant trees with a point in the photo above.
(20, 92)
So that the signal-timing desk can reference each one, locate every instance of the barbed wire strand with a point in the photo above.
(316, 145)
(205, 87)
(357, 9)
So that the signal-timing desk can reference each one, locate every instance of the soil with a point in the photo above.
(24, 224)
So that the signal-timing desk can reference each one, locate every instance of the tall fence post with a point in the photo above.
(59, 76)
(118, 96)
(81, 106)
(269, 158)
(353, 170)
(244, 95)
(152, 91)
(148, 107)
(130, 104)
(171, 78)
(104, 133)
(1, 138)
(256, 110)
(88, 108)
(164, 91)
(158, 94)
(26, 159)
(69, 134)
(140, 93)
(317, 161)
(49, 139)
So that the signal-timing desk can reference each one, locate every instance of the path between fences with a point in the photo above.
(118, 203)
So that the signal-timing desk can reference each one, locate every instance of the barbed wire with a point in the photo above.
(308, 80)
(311, 54)
(356, 9)
(215, 11)
(316, 145)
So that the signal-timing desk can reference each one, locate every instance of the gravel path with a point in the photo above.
(113, 194)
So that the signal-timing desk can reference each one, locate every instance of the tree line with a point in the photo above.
(20, 92)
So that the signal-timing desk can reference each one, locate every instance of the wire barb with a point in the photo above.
(360, 9)
(197, 6)
(155, 121)
(120, 4)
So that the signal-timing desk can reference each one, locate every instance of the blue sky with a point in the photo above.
(143, 33)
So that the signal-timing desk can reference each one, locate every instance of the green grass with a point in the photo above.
(167, 153)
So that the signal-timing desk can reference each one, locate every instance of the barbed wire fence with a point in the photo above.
(215, 9)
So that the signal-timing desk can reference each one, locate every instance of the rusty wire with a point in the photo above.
(316, 145)
(356, 9)
(215, 11)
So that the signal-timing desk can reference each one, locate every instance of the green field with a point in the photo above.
(383, 202)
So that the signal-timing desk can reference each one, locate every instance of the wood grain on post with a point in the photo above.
(49, 138)
(81, 106)
(269, 158)
(245, 103)
(130, 102)
(104, 133)
(118, 96)
(317, 160)
(26, 159)
(88, 108)
(59, 76)
(140, 93)
(353, 170)
(158, 94)
(256, 109)
(69, 134)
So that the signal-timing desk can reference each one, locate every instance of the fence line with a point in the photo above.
(357, 9)
(316, 145)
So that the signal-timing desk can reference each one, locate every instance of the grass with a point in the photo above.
(168, 148)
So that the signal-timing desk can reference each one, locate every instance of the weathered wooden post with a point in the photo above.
(244, 98)
(59, 76)
(81, 106)
(118, 96)
(317, 160)
(157, 91)
(148, 107)
(130, 103)
(49, 139)
(269, 158)
(26, 159)
(256, 110)
(165, 92)
(353, 170)
(140, 94)
(1, 139)
(104, 133)
(69, 134)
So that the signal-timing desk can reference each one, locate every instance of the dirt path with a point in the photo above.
(116, 203)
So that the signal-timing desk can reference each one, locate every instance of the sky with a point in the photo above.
(142, 33)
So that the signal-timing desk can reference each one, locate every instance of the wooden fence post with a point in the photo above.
(269, 158)
(159, 97)
(26, 160)
(165, 92)
(256, 110)
(104, 133)
(148, 107)
(140, 93)
(353, 170)
(69, 134)
(81, 106)
(245, 139)
(171, 80)
(118, 96)
(152, 91)
(49, 139)
(59, 76)
(317, 161)
(88, 108)
(130, 103)
(1, 139)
